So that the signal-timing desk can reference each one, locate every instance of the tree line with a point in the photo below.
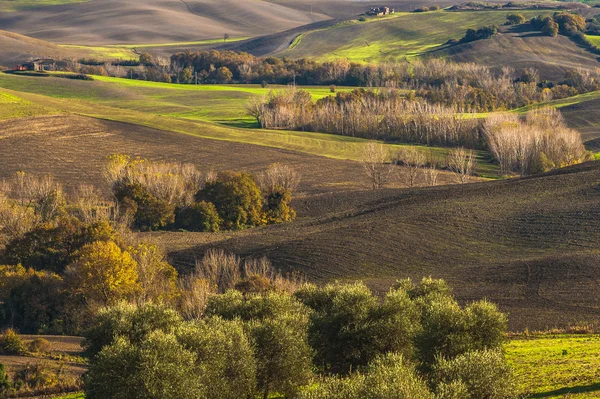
(540, 143)
(466, 86)
(337, 340)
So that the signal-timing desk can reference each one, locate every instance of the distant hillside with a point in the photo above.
(15, 49)
(529, 244)
(523, 47)
(426, 34)
(153, 21)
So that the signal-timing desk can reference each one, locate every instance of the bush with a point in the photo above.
(11, 343)
(148, 212)
(225, 354)
(391, 376)
(386, 377)
(36, 376)
(482, 33)
(476, 375)
(134, 323)
(277, 207)
(350, 327)
(201, 216)
(39, 304)
(238, 199)
(158, 367)
(39, 345)
(515, 19)
(103, 274)
(4, 381)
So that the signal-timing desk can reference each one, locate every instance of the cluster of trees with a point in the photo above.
(420, 167)
(569, 24)
(541, 143)
(339, 340)
(382, 114)
(536, 143)
(479, 34)
(515, 19)
(155, 195)
(61, 257)
(465, 86)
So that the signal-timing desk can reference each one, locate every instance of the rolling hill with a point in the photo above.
(425, 34)
(394, 38)
(529, 244)
(523, 47)
(153, 21)
(16, 49)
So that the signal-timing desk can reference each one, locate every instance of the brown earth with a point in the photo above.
(74, 150)
(153, 21)
(529, 244)
(59, 345)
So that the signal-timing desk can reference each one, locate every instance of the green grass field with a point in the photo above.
(130, 51)
(19, 5)
(557, 366)
(393, 38)
(594, 39)
(209, 111)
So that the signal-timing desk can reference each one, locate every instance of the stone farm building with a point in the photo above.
(380, 11)
(38, 65)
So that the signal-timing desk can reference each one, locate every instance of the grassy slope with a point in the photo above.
(215, 112)
(17, 48)
(21, 5)
(594, 39)
(130, 51)
(556, 366)
(389, 39)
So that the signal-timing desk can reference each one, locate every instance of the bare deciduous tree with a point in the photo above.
(414, 160)
(462, 162)
(278, 176)
(375, 162)
(220, 269)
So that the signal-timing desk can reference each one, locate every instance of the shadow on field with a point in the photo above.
(567, 391)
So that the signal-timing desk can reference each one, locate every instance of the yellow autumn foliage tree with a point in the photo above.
(104, 274)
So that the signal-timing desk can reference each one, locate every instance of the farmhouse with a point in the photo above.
(37, 65)
(380, 11)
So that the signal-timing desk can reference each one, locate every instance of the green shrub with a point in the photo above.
(476, 375)
(148, 212)
(158, 367)
(350, 387)
(350, 326)
(238, 199)
(201, 216)
(11, 343)
(129, 321)
(277, 207)
(4, 380)
(278, 325)
(225, 355)
(390, 376)
(515, 19)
